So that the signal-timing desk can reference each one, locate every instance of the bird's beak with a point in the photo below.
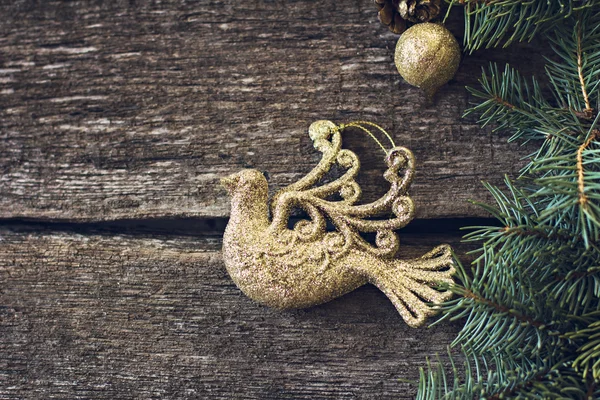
(229, 182)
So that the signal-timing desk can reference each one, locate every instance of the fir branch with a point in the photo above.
(491, 23)
(539, 232)
(569, 184)
(561, 383)
(524, 385)
(583, 198)
(588, 361)
(574, 275)
(510, 102)
(485, 377)
(524, 239)
(502, 316)
(503, 309)
(491, 378)
(531, 299)
(577, 291)
(549, 261)
(588, 107)
(575, 71)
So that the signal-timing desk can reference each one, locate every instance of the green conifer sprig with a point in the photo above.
(513, 103)
(575, 73)
(504, 378)
(531, 298)
(588, 361)
(480, 378)
(505, 316)
(491, 23)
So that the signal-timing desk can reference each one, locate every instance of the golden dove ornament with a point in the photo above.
(309, 265)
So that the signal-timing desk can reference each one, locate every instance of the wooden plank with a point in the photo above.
(116, 316)
(118, 110)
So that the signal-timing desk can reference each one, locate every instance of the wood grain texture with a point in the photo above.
(134, 109)
(130, 111)
(110, 316)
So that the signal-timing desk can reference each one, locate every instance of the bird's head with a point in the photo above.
(249, 181)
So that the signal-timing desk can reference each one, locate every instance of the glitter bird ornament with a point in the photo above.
(309, 264)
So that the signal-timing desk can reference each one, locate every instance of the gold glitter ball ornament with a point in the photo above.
(308, 264)
(427, 56)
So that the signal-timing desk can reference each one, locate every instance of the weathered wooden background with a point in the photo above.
(116, 121)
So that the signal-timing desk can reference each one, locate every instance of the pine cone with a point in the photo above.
(419, 10)
(389, 15)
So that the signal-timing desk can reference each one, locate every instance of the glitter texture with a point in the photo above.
(308, 265)
(427, 56)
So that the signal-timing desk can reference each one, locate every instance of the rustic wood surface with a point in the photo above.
(126, 109)
(116, 121)
(89, 315)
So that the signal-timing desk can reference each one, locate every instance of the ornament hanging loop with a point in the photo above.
(362, 125)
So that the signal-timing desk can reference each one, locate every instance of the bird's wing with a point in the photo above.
(348, 218)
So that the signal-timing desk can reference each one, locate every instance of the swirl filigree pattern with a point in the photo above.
(349, 218)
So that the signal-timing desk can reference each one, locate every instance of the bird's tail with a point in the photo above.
(409, 284)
